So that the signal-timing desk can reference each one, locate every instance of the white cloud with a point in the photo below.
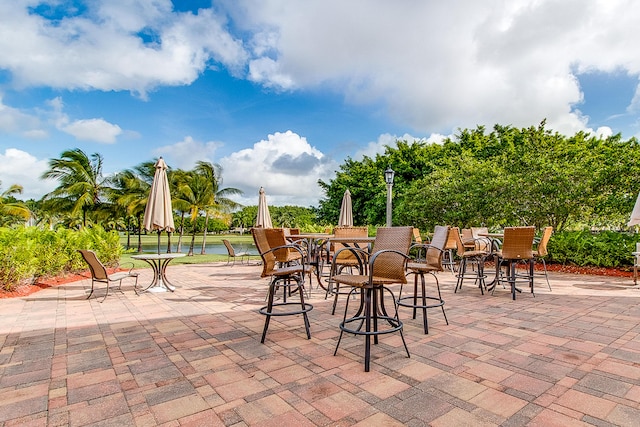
(20, 167)
(285, 164)
(97, 130)
(439, 66)
(103, 48)
(185, 154)
(16, 121)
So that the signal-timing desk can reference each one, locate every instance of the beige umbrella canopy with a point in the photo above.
(635, 215)
(346, 211)
(158, 215)
(264, 218)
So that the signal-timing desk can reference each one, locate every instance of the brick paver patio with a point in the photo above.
(566, 357)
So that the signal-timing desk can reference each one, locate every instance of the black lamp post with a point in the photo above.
(388, 178)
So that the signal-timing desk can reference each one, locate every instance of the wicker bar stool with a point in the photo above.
(469, 258)
(386, 266)
(289, 278)
(517, 247)
(431, 263)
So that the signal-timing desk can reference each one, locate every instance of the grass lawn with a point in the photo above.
(151, 240)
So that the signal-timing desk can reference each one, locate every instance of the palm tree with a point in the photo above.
(131, 191)
(192, 195)
(11, 207)
(81, 186)
(219, 201)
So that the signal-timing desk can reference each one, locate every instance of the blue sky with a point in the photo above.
(280, 92)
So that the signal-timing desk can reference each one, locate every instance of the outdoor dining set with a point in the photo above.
(347, 262)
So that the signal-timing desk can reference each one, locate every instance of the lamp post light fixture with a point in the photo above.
(388, 178)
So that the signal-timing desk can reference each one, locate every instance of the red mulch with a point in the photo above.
(41, 283)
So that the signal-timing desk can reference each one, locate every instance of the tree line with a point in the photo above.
(85, 196)
(506, 176)
(479, 177)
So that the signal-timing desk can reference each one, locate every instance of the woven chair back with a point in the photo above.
(262, 244)
(230, 250)
(518, 242)
(451, 240)
(416, 235)
(542, 246)
(276, 237)
(98, 270)
(391, 266)
(437, 246)
(345, 232)
(455, 233)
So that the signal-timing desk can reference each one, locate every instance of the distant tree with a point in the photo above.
(11, 208)
(81, 185)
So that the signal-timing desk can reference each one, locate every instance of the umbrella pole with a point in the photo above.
(159, 231)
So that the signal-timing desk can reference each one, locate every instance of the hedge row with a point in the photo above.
(27, 253)
(597, 249)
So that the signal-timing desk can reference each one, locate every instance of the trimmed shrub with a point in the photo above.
(597, 249)
(27, 253)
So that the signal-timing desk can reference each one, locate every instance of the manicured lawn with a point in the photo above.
(150, 241)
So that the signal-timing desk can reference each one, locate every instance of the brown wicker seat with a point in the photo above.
(290, 278)
(517, 246)
(99, 273)
(430, 264)
(541, 252)
(386, 266)
(469, 258)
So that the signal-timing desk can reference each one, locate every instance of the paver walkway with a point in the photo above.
(566, 357)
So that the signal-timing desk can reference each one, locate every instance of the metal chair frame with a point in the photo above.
(100, 274)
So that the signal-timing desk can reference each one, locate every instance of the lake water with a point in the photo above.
(210, 248)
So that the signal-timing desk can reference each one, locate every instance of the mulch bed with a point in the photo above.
(42, 283)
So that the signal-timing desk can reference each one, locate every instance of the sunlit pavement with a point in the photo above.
(566, 357)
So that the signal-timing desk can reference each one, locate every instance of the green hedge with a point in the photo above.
(27, 253)
(597, 249)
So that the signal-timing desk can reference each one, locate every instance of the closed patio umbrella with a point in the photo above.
(158, 215)
(346, 212)
(635, 215)
(264, 218)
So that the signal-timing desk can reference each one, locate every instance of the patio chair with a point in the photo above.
(517, 247)
(541, 252)
(636, 263)
(386, 266)
(100, 274)
(232, 254)
(473, 258)
(289, 278)
(431, 263)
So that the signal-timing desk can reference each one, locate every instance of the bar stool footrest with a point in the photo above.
(401, 302)
(396, 325)
(307, 308)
